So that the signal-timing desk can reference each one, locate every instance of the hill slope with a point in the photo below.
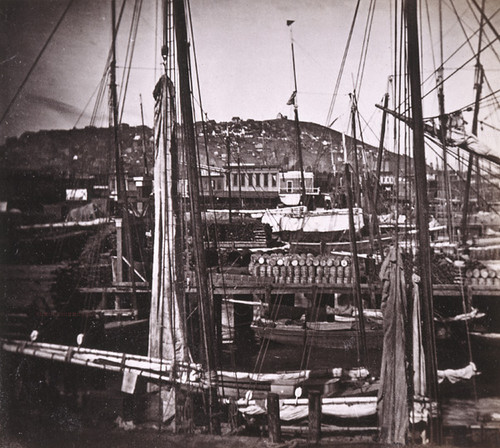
(88, 152)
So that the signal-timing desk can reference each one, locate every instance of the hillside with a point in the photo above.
(87, 152)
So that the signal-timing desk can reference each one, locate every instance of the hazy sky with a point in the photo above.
(243, 56)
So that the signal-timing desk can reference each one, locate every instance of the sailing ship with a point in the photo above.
(170, 354)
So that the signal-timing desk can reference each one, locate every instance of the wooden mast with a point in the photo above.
(145, 159)
(239, 178)
(297, 122)
(354, 144)
(423, 208)
(478, 86)
(380, 151)
(120, 179)
(355, 262)
(229, 192)
(443, 125)
(205, 298)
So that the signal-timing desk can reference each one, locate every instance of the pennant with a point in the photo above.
(289, 22)
(291, 101)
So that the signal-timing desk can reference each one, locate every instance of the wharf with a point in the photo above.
(231, 283)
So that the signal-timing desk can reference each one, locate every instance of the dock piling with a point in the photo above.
(314, 416)
(273, 417)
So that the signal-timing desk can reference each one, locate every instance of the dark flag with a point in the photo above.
(289, 22)
(291, 101)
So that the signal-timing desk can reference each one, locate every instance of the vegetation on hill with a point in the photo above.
(88, 152)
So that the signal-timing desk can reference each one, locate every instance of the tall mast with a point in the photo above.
(443, 123)
(357, 188)
(423, 207)
(210, 359)
(478, 86)
(145, 159)
(120, 179)
(297, 123)
(380, 151)
(229, 193)
(239, 178)
(357, 282)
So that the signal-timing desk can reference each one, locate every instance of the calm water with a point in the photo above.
(466, 403)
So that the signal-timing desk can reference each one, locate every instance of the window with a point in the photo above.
(250, 179)
(228, 180)
(257, 179)
(235, 180)
(289, 186)
(242, 179)
(274, 181)
(266, 180)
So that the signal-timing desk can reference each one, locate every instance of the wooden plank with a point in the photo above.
(241, 244)
(248, 284)
(111, 290)
(129, 284)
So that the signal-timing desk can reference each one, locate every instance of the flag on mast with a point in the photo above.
(291, 101)
(289, 22)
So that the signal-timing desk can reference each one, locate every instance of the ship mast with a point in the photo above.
(423, 207)
(145, 159)
(380, 151)
(205, 297)
(229, 192)
(478, 86)
(354, 144)
(120, 179)
(443, 125)
(297, 122)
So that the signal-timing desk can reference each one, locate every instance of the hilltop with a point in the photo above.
(88, 152)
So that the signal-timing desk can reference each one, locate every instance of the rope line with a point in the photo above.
(35, 62)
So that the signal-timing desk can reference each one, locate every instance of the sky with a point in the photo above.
(243, 58)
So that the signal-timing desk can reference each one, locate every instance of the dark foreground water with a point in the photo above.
(34, 412)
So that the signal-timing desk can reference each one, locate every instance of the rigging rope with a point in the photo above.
(453, 54)
(134, 26)
(365, 46)
(430, 34)
(474, 171)
(35, 62)
(460, 68)
(459, 19)
(489, 126)
(102, 86)
(342, 66)
(483, 34)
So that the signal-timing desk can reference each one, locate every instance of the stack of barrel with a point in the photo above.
(302, 268)
(482, 276)
(485, 253)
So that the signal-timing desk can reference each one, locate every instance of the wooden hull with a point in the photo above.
(332, 339)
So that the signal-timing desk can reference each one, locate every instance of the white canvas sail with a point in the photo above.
(167, 336)
(457, 136)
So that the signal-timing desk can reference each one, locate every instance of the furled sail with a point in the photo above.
(456, 135)
(167, 338)
(392, 396)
